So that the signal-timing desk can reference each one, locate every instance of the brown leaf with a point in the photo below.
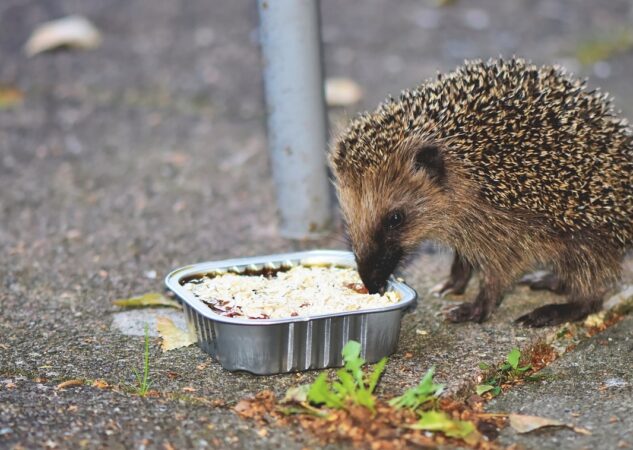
(524, 424)
(69, 383)
(101, 384)
(10, 96)
(242, 406)
(172, 375)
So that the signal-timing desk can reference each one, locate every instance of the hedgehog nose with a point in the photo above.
(374, 287)
(373, 280)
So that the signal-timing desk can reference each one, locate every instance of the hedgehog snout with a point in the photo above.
(375, 268)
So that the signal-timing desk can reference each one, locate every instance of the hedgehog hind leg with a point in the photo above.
(555, 314)
(461, 273)
(545, 281)
(587, 271)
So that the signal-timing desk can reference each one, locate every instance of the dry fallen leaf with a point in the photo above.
(173, 337)
(525, 424)
(10, 96)
(242, 406)
(297, 394)
(101, 384)
(342, 92)
(69, 383)
(71, 31)
(145, 300)
(152, 393)
(595, 320)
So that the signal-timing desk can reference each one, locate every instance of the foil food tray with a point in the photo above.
(270, 346)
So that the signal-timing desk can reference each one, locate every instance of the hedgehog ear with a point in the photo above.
(429, 158)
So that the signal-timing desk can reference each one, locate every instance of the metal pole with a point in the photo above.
(297, 127)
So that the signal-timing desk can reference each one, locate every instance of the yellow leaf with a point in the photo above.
(147, 300)
(173, 337)
(595, 320)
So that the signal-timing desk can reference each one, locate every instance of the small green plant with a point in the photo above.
(415, 397)
(355, 386)
(440, 421)
(512, 363)
(144, 382)
(426, 394)
(510, 370)
(352, 384)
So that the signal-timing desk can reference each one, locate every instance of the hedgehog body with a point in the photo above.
(512, 165)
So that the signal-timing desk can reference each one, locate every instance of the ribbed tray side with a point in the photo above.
(295, 346)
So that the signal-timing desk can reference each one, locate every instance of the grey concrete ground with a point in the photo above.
(149, 153)
(591, 387)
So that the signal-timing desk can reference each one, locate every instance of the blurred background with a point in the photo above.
(149, 150)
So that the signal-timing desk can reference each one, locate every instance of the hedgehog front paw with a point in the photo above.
(467, 312)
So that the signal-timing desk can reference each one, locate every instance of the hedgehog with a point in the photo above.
(513, 166)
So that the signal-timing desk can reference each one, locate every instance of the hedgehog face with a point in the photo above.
(391, 208)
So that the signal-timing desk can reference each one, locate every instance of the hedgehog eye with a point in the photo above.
(394, 220)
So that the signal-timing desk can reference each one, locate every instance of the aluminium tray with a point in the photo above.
(270, 346)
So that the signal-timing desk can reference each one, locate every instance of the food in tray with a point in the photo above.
(298, 292)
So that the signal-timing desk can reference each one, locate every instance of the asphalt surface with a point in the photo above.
(149, 153)
(591, 387)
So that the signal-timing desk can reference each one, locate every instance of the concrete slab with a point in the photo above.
(591, 387)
